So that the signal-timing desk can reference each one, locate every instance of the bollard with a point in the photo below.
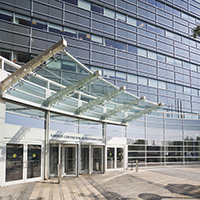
(136, 166)
(59, 173)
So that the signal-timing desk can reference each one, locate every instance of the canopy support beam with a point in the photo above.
(70, 89)
(31, 65)
(99, 100)
(140, 113)
(120, 108)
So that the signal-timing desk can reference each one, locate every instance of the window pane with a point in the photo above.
(97, 39)
(55, 28)
(142, 80)
(152, 83)
(39, 24)
(69, 32)
(97, 8)
(120, 16)
(132, 49)
(84, 4)
(109, 13)
(84, 36)
(19, 19)
(132, 78)
(110, 43)
(142, 52)
(132, 21)
(5, 15)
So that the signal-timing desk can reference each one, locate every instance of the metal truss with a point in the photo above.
(31, 65)
(70, 89)
(99, 100)
(140, 113)
(120, 108)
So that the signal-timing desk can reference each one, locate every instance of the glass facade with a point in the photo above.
(145, 45)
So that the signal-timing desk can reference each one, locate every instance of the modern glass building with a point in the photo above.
(144, 45)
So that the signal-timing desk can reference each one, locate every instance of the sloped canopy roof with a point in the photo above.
(57, 81)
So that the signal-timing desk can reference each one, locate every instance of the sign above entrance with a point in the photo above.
(64, 136)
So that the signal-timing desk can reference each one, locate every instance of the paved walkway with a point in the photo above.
(147, 184)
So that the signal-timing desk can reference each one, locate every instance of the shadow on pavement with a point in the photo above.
(182, 189)
(185, 189)
(151, 196)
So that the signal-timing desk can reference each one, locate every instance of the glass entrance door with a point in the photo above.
(23, 161)
(71, 160)
(97, 159)
(115, 158)
(84, 159)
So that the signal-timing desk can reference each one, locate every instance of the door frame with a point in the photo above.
(92, 158)
(63, 173)
(25, 163)
(115, 157)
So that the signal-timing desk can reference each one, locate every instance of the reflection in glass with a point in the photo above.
(110, 158)
(70, 160)
(14, 162)
(34, 161)
(120, 152)
(84, 159)
(53, 159)
(97, 159)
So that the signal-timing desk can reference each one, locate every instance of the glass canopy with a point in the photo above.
(64, 85)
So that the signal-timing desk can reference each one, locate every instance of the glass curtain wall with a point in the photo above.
(164, 139)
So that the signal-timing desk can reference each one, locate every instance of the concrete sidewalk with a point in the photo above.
(147, 184)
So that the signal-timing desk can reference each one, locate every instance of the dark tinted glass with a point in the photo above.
(75, 2)
(97, 9)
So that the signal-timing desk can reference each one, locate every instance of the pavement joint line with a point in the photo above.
(89, 190)
(41, 190)
(50, 192)
(61, 192)
(70, 190)
(79, 189)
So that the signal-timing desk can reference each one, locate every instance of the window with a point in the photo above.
(19, 19)
(69, 32)
(75, 2)
(84, 36)
(141, 24)
(121, 17)
(97, 8)
(39, 24)
(109, 73)
(110, 43)
(109, 13)
(121, 76)
(120, 45)
(5, 15)
(132, 21)
(97, 39)
(84, 4)
(142, 52)
(132, 78)
(152, 55)
(142, 80)
(153, 83)
(55, 28)
(132, 49)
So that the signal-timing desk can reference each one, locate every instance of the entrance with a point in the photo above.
(115, 157)
(69, 160)
(23, 162)
(97, 154)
